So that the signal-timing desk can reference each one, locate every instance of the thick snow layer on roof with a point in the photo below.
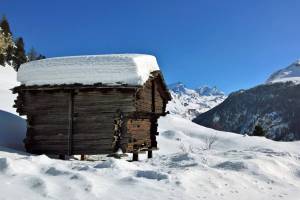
(132, 69)
(290, 73)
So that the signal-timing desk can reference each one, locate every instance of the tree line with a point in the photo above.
(12, 51)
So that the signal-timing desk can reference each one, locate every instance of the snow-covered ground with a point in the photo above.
(236, 167)
(8, 77)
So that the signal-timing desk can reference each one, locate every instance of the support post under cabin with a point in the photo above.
(135, 156)
(149, 153)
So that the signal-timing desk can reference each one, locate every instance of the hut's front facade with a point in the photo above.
(92, 104)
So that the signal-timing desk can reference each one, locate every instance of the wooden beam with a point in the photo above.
(70, 115)
(150, 154)
(153, 96)
(135, 156)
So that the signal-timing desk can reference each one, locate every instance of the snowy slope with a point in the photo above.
(12, 130)
(290, 73)
(8, 80)
(12, 127)
(189, 103)
(133, 69)
(235, 168)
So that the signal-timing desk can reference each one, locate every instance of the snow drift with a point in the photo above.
(12, 131)
(8, 80)
(132, 69)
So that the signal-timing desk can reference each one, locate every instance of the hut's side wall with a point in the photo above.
(47, 118)
(139, 131)
(94, 114)
(91, 114)
(149, 98)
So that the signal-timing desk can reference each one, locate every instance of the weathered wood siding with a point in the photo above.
(139, 132)
(78, 119)
(93, 121)
(149, 98)
(93, 115)
(47, 115)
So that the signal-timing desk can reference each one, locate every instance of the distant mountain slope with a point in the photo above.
(290, 73)
(189, 103)
(275, 106)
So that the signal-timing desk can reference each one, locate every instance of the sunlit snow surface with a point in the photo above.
(133, 69)
(235, 168)
(8, 77)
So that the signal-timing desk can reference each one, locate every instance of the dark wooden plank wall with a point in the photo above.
(83, 119)
(145, 98)
(139, 130)
(93, 121)
(47, 121)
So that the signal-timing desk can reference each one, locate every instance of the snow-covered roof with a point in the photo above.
(290, 73)
(111, 69)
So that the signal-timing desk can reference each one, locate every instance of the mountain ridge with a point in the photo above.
(275, 106)
(188, 103)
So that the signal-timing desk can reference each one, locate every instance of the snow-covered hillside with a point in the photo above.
(275, 106)
(189, 103)
(12, 127)
(235, 168)
(290, 73)
(8, 80)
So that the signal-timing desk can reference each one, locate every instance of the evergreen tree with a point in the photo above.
(9, 56)
(6, 42)
(5, 26)
(32, 54)
(258, 131)
(19, 54)
(40, 57)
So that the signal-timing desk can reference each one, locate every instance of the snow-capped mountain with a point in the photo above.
(290, 73)
(189, 103)
(275, 106)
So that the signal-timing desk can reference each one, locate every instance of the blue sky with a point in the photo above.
(232, 44)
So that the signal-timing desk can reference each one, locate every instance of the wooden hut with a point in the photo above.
(89, 105)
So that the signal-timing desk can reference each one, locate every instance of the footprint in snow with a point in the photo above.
(3, 164)
(149, 174)
(52, 171)
(234, 166)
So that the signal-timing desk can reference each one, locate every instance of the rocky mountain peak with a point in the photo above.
(209, 91)
(189, 103)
